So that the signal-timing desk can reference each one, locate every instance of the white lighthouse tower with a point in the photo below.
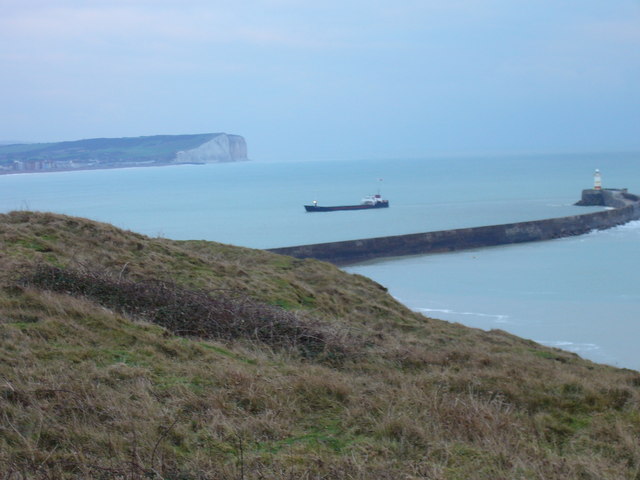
(597, 180)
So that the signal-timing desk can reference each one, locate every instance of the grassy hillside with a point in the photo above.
(123, 356)
(158, 148)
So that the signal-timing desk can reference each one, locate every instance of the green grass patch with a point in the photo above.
(34, 245)
(227, 353)
(326, 436)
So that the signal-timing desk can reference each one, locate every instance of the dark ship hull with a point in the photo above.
(317, 208)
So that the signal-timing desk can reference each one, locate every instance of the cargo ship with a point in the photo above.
(368, 202)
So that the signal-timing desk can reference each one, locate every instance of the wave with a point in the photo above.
(498, 318)
(561, 205)
(633, 226)
(571, 346)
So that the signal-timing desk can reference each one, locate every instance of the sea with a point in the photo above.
(580, 294)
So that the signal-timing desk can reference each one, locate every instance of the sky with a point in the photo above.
(327, 80)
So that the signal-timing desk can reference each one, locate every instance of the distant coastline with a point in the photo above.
(109, 153)
(99, 167)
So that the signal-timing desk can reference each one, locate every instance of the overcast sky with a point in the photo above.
(327, 79)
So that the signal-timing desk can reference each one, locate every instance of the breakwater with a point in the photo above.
(624, 208)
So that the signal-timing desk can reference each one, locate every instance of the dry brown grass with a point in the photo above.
(88, 390)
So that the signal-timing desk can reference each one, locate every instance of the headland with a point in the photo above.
(624, 207)
(126, 356)
(103, 153)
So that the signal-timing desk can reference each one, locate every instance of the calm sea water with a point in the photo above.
(577, 293)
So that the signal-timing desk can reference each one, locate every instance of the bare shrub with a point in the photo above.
(223, 315)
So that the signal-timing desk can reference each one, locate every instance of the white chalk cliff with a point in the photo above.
(222, 148)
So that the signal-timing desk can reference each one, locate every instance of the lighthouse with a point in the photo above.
(597, 180)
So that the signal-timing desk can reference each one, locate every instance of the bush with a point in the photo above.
(222, 315)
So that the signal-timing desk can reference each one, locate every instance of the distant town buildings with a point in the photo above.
(40, 165)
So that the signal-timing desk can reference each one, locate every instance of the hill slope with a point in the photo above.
(130, 357)
(118, 152)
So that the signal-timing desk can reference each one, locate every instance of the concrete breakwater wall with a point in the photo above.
(626, 207)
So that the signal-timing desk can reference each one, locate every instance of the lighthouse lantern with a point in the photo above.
(597, 180)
